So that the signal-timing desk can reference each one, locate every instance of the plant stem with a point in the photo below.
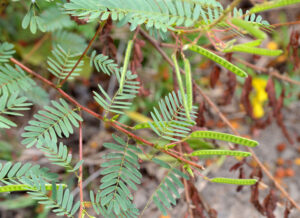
(80, 170)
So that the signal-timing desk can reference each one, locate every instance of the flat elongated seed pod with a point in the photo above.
(234, 181)
(188, 83)
(250, 28)
(125, 66)
(224, 137)
(220, 152)
(181, 88)
(21, 187)
(253, 50)
(272, 5)
(238, 71)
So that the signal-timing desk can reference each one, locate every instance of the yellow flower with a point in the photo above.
(259, 97)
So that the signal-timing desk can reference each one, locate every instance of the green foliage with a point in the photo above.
(54, 19)
(14, 173)
(161, 15)
(224, 137)
(217, 59)
(167, 191)
(6, 51)
(9, 105)
(121, 172)
(58, 155)
(171, 121)
(69, 41)
(61, 202)
(32, 20)
(103, 63)
(14, 80)
(50, 123)
(220, 152)
(120, 100)
(62, 62)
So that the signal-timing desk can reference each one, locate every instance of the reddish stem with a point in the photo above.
(82, 55)
(80, 170)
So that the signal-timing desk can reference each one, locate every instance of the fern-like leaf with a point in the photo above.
(14, 79)
(121, 172)
(9, 105)
(50, 123)
(6, 52)
(161, 14)
(120, 101)
(54, 19)
(69, 41)
(62, 62)
(172, 121)
(13, 173)
(103, 63)
(61, 202)
(167, 191)
(58, 154)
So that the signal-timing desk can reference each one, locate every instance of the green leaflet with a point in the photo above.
(32, 20)
(125, 66)
(180, 83)
(268, 5)
(233, 181)
(249, 27)
(188, 83)
(6, 51)
(220, 152)
(224, 137)
(238, 71)
(10, 105)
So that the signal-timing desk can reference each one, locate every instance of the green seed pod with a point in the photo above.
(238, 71)
(224, 137)
(234, 181)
